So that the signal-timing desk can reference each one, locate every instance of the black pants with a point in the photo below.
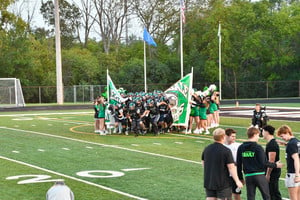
(260, 182)
(274, 188)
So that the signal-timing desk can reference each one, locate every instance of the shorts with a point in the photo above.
(194, 112)
(220, 194)
(234, 187)
(289, 180)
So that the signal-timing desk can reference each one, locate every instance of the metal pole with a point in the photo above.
(220, 60)
(145, 70)
(181, 43)
(40, 95)
(59, 83)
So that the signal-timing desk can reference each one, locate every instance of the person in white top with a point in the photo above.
(59, 191)
(233, 146)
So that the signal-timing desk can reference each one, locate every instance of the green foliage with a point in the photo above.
(260, 42)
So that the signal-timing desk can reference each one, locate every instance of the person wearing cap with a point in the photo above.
(292, 181)
(218, 165)
(273, 155)
(59, 191)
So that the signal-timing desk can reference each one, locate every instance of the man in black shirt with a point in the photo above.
(272, 154)
(218, 164)
(252, 160)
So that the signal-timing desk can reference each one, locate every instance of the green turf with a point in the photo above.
(171, 161)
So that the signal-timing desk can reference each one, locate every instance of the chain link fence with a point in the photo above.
(230, 90)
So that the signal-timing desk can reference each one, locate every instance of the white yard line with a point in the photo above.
(43, 114)
(103, 145)
(73, 178)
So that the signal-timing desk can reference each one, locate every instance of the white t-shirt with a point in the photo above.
(60, 192)
(233, 148)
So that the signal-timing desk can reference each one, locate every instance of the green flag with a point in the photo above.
(179, 96)
(114, 96)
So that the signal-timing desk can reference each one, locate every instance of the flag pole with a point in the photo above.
(107, 86)
(181, 42)
(220, 64)
(145, 71)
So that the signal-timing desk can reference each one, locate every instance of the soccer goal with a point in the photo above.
(11, 94)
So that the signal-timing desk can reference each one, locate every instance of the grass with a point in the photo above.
(163, 167)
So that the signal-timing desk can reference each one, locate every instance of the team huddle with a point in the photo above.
(143, 113)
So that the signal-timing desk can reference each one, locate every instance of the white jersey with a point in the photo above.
(60, 192)
(233, 148)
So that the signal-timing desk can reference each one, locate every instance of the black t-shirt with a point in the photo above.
(293, 146)
(216, 175)
(272, 146)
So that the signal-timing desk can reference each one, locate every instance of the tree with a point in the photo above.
(112, 17)
(70, 17)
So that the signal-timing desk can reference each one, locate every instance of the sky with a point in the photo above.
(24, 8)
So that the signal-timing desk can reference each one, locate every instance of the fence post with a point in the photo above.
(267, 85)
(82, 93)
(40, 95)
(74, 93)
(92, 92)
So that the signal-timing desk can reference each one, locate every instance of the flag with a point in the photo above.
(182, 8)
(219, 31)
(113, 94)
(179, 96)
(148, 38)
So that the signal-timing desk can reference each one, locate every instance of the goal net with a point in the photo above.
(11, 94)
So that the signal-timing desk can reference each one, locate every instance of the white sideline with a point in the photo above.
(103, 145)
(73, 178)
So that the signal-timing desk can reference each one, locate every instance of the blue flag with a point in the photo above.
(148, 38)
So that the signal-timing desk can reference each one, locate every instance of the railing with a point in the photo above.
(230, 90)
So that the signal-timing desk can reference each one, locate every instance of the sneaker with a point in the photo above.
(196, 131)
(207, 132)
(201, 130)
(188, 131)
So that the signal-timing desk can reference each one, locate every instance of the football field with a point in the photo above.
(39, 148)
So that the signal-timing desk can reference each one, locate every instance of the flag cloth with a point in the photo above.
(219, 30)
(182, 8)
(179, 96)
(148, 38)
(114, 96)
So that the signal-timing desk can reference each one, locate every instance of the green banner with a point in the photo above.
(114, 95)
(179, 96)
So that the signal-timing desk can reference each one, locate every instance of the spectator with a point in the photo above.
(252, 160)
(272, 154)
(292, 181)
(233, 146)
(218, 164)
(59, 191)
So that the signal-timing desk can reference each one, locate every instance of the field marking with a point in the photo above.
(37, 114)
(103, 145)
(134, 169)
(73, 178)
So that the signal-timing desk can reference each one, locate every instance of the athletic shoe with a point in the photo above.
(188, 131)
(207, 132)
(196, 131)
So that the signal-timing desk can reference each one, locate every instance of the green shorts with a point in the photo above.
(195, 112)
(202, 113)
(212, 108)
